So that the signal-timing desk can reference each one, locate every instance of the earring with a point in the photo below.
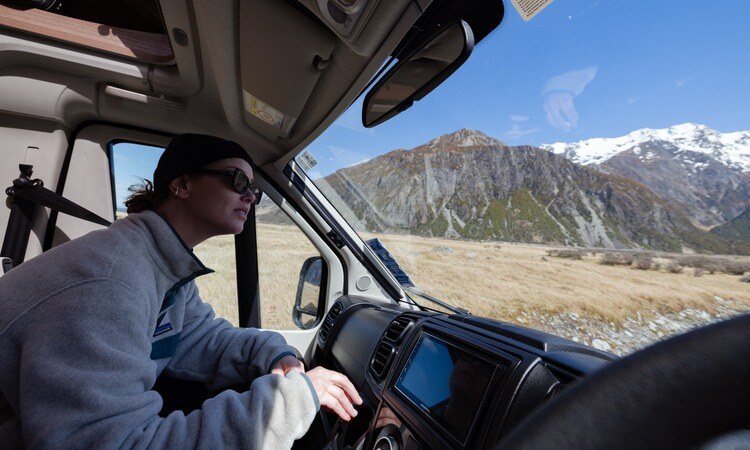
(177, 192)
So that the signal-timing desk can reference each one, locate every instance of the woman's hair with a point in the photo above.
(144, 197)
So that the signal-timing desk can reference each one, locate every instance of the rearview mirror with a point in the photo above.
(417, 74)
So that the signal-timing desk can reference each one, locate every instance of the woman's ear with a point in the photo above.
(180, 187)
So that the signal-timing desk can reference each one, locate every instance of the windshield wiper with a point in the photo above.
(416, 291)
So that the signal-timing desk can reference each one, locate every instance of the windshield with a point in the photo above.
(586, 172)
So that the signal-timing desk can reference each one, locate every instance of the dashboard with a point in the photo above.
(440, 381)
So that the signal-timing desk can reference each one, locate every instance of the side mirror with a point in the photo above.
(307, 301)
(417, 74)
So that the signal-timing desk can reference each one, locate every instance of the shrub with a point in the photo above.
(608, 259)
(673, 267)
(736, 267)
(643, 261)
(713, 265)
(745, 279)
(616, 259)
(696, 262)
(569, 254)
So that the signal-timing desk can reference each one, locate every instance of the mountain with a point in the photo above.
(469, 185)
(737, 228)
(730, 149)
(463, 138)
(704, 171)
(710, 193)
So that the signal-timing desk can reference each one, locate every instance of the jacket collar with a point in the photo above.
(166, 246)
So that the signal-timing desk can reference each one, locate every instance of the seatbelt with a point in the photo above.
(25, 194)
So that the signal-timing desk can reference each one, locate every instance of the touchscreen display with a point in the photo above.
(445, 382)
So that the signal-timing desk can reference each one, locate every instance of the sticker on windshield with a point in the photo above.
(530, 8)
(306, 160)
(265, 112)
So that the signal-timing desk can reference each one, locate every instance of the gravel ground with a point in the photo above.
(635, 332)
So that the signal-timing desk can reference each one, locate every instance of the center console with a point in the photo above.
(432, 381)
(444, 385)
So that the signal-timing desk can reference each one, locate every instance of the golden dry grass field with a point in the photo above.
(499, 280)
(281, 251)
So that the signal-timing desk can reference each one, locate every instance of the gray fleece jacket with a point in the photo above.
(87, 327)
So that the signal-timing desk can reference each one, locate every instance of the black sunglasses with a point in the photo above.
(240, 182)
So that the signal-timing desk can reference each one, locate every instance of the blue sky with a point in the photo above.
(131, 162)
(579, 69)
(625, 64)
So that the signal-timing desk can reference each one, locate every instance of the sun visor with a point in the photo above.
(282, 54)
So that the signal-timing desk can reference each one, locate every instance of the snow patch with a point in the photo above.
(731, 149)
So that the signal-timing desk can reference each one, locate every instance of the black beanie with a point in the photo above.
(189, 152)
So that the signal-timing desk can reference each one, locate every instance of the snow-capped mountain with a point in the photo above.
(704, 172)
(730, 149)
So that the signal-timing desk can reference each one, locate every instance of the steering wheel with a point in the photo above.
(676, 393)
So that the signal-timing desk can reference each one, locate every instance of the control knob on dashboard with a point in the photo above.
(388, 439)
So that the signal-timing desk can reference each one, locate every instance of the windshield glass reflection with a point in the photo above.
(586, 172)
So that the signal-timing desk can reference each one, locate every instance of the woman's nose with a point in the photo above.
(248, 196)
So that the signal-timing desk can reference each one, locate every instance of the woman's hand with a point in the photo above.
(335, 392)
(386, 417)
(286, 364)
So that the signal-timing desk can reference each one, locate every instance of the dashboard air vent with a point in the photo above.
(397, 328)
(386, 349)
(382, 360)
(333, 314)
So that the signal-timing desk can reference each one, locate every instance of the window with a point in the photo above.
(580, 174)
(133, 163)
(282, 251)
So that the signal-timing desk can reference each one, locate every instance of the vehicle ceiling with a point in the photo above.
(223, 58)
(224, 50)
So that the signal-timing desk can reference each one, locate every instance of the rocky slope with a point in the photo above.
(468, 185)
(704, 172)
(737, 228)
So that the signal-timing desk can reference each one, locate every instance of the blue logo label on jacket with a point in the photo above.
(161, 329)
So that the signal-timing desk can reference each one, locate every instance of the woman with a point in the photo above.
(87, 327)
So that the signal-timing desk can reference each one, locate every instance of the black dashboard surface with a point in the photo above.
(447, 381)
